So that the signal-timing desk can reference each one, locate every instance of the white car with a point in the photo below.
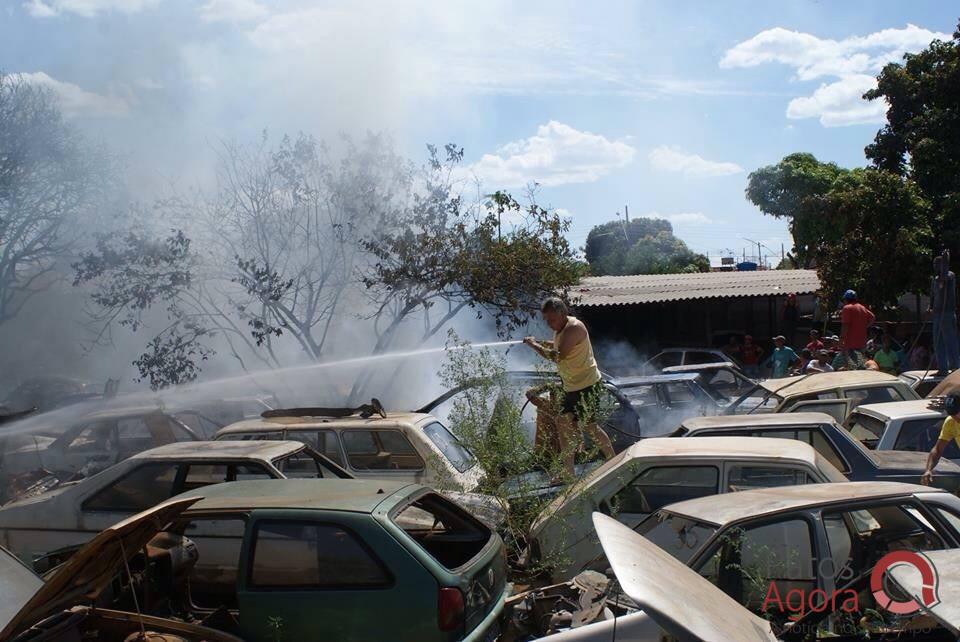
(683, 357)
(902, 425)
(660, 471)
(922, 381)
(400, 446)
(76, 512)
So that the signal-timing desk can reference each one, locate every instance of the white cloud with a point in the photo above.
(839, 103)
(85, 8)
(687, 218)
(556, 155)
(852, 61)
(673, 159)
(76, 101)
(235, 11)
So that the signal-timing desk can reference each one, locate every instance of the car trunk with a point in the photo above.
(906, 466)
(464, 547)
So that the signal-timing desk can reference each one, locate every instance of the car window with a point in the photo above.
(325, 442)
(747, 476)
(143, 487)
(919, 435)
(200, 475)
(455, 452)
(257, 436)
(877, 530)
(137, 434)
(380, 450)
(950, 517)
(679, 536)
(812, 436)
(836, 408)
(302, 465)
(301, 555)
(659, 486)
(679, 392)
(201, 424)
(925, 387)
(97, 437)
(865, 429)
(443, 529)
(213, 578)
(665, 360)
(747, 561)
(696, 356)
(877, 394)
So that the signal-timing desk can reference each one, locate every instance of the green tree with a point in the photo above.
(607, 244)
(781, 191)
(642, 246)
(921, 139)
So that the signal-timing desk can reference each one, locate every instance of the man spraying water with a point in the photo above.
(573, 353)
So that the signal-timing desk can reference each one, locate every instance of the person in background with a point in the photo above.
(919, 356)
(781, 358)
(821, 363)
(949, 431)
(869, 363)
(886, 357)
(805, 358)
(573, 353)
(943, 306)
(732, 347)
(815, 345)
(791, 317)
(855, 318)
(750, 355)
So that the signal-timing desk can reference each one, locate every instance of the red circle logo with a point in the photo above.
(928, 575)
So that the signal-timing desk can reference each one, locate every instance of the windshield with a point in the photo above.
(455, 452)
(679, 536)
(754, 400)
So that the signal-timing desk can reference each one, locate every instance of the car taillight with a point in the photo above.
(450, 609)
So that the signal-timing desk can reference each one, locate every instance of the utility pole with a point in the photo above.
(626, 213)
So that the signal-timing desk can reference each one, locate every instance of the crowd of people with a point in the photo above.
(861, 345)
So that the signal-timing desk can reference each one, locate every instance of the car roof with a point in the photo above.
(732, 507)
(696, 367)
(827, 381)
(260, 424)
(725, 447)
(758, 419)
(221, 450)
(900, 409)
(353, 495)
(927, 375)
(713, 350)
(647, 380)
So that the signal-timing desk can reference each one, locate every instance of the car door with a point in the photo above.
(330, 575)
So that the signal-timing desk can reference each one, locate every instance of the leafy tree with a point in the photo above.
(921, 139)
(642, 246)
(781, 191)
(607, 244)
(880, 220)
(51, 184)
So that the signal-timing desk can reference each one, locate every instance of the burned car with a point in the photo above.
(823, 539)
(340, 560)
(656, 472)
(75, 512)
(66, 606)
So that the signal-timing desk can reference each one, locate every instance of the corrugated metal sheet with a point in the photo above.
(658, 288)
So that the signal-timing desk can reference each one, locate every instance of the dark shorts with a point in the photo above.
(582, 403)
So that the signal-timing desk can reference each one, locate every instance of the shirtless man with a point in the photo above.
(580, 376)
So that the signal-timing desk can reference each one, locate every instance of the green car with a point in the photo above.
(305, 559)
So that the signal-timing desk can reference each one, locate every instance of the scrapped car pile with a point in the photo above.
(236, 519)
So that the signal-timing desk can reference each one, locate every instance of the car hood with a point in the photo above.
(946, 566)
(908, 460)
(84, 576)
(681, 602)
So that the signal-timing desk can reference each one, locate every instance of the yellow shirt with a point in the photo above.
(950, 430)
(578, 370)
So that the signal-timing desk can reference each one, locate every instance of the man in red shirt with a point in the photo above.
(815, 345)
(855, 319)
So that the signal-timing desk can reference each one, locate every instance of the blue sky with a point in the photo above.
(663, 106)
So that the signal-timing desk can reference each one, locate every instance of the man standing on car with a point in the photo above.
(855, 318)
(573, 353)
(950, 431)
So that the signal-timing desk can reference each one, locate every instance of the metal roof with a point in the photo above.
(730, 507)
(658, 288)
